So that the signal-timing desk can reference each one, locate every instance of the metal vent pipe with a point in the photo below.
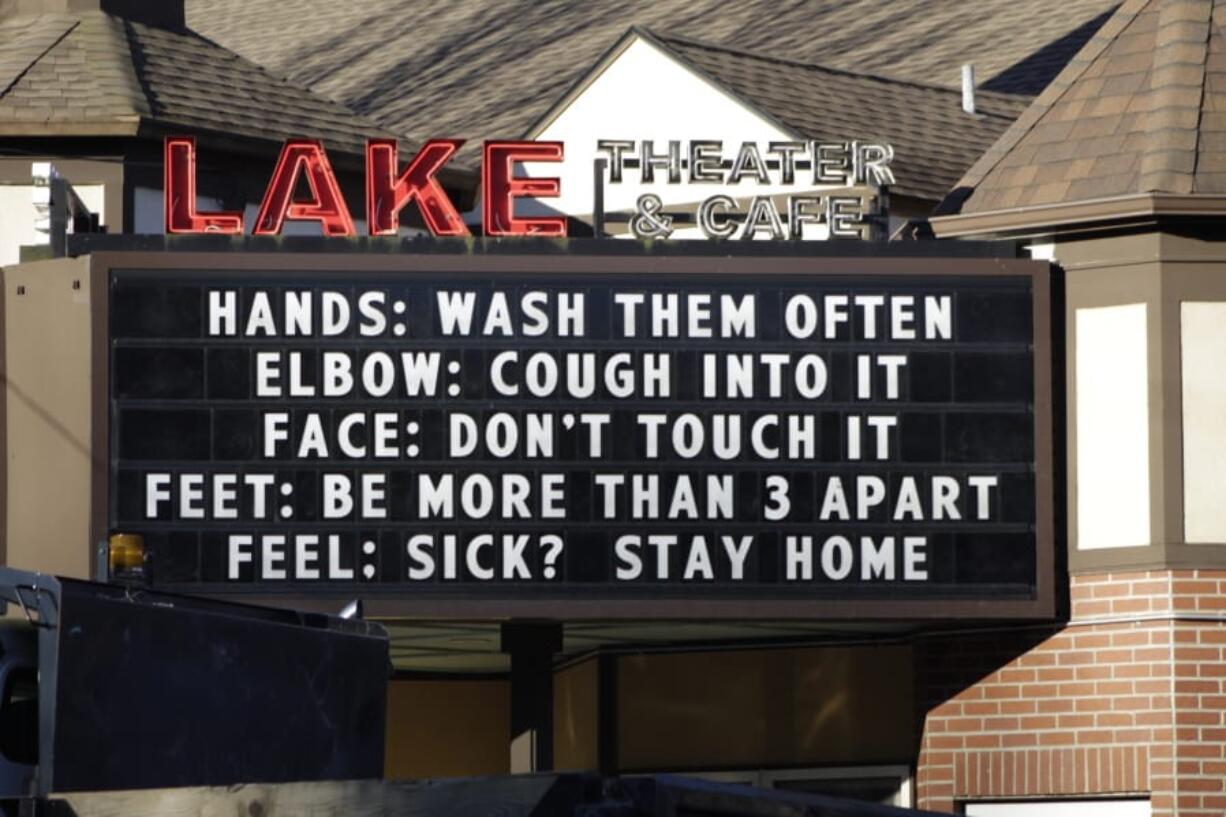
(968, 88)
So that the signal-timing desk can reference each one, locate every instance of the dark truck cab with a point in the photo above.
(105, 688)
(18, 706)
(118, 701)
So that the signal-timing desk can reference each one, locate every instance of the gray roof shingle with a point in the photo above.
(481, 69)
(934, 140)
(489, 68)
(90, 73)
(25, 40)
(1139, 109)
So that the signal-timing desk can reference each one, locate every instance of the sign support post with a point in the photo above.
(531, 645)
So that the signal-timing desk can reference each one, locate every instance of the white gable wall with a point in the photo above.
(645, 93)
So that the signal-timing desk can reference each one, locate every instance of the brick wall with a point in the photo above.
(1127, 699)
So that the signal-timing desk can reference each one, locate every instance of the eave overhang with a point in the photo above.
(1112, 212)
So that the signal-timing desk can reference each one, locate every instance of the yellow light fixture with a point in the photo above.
(125, 554)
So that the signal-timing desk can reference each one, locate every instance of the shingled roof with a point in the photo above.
(1142, 109)
(490, 68)
(91, 73)
(934, 140)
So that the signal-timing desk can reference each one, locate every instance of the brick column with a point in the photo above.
(1126, 699)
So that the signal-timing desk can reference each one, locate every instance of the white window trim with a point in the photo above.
(1002, 804)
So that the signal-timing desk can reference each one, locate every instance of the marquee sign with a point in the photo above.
(590, 435)
(842, 213)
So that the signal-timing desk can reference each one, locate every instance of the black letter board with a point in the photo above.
(586, 437)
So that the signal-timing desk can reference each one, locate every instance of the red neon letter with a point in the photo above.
(500, 188)
(326, 204)
(179, 187)
(386, 195)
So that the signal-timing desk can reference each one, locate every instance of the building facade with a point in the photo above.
(1093, 142)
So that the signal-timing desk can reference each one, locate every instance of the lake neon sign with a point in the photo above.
(387, 193)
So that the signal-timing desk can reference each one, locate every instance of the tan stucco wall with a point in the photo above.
(576, 692)
(1160, 270)
(447, 728)
(50, 436)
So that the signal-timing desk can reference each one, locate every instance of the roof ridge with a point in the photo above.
(1174, 26)
(136, 62)
(1215, 37)
(72, 23)
(117, 60)
(667, 38)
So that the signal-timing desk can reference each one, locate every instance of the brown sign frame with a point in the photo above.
(908, 262)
